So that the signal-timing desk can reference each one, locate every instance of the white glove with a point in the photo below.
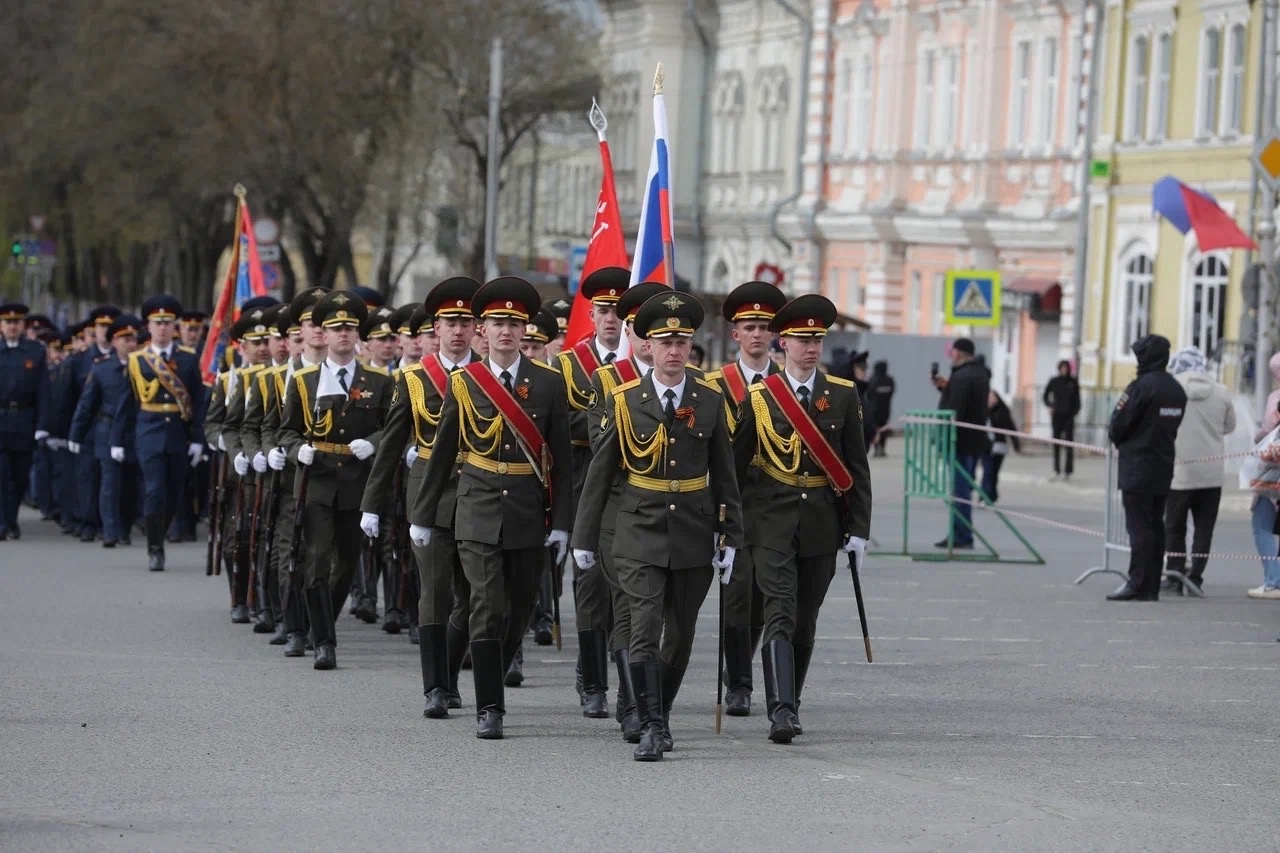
(276, 459)
(241, 464)
(411, 456)
(369, 524)
(420, 536)
(42, 434)
(222, 445)
(557, 541)
(584, 559)
(306, 454)
(260, 462)
(857, 547)
(74, 447)
(724, 563)
(58, 443)
(117, 453)
(194, 452)
(361, 449)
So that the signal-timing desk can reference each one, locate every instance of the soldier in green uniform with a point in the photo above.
(409, 439)
(333, 418)
(668, 432)
(749, 308)
(515, 491)
(604, 288)
(806, 489)
(560, 309)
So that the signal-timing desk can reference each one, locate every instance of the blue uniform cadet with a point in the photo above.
(24, 412)
(107, 386)
(88, 471)
(165, 413)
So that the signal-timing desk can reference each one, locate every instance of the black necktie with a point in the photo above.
(803, 393)
(670, 408)
(505, 376)
(609, 357)
(757, 379)
(342, 379)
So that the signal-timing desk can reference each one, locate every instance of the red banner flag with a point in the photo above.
(243, 281)
(606, 248)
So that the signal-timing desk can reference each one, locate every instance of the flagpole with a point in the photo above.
(665, 216)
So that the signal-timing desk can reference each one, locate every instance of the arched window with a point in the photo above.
(1161, 76)
(1136, 284)
(1208, 295)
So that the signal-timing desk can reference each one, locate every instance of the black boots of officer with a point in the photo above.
(323, 635)
(780, 689)
(626, 712)
(155, 526)
(456, 641)
(593, 651)
(802, 655)
(486, 666)
(295, 622)
(433, 650)
(238, 578)
(543, 615)
(672, 677)
(647, 682)
(738, 647)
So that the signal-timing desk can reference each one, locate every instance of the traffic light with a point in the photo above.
(17, 248)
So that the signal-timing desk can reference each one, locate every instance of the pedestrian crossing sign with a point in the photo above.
(972, 298)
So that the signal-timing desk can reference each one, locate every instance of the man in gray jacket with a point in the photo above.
(1197, 486)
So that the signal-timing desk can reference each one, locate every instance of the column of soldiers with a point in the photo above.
(455, 451)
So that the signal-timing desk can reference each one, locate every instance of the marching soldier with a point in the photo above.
(559, 309)
(514, 493)
(166, 414)
(806, 489)
(24, 412)
(191, 329)
(410, 436)
(539, 333)
(749, 308)
(107, 385)
(410, 344)
(333, 418)
(604, 288)
(668, 432)
(86, 466)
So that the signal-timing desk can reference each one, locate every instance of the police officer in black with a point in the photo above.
(1144, 427)
(24, 409)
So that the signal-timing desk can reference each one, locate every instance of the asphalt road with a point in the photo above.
(1007, 709)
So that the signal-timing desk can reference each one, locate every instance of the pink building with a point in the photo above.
(944, 135)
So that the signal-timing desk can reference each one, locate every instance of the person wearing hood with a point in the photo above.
(1197, 486)
(965, 393)
(1062, 396)
(1144, 429)
(880, 399)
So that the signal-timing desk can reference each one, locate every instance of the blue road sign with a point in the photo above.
(973, 298)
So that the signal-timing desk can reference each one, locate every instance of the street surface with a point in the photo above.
(1007, 709)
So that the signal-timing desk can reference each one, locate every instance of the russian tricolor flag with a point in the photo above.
(655, 243)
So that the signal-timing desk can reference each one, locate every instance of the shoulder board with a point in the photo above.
(627, 386)
(136, 355)
(715, 375)
(836, 380)
(543, 366)
(186, 349)
(373, 368)
(309, 369)
(416, 367)
(707, 383)
(697, 371)
(252, 370)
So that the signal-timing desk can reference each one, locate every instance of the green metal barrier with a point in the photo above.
(929, 471)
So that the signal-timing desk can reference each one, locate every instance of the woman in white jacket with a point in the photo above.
(1263, 515)
(1197, 486)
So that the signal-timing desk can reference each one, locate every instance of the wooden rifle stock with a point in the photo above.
(254, 521)
(213, 555)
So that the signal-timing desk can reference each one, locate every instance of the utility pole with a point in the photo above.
(492, 158)
(1091, 29)
(1266, 216)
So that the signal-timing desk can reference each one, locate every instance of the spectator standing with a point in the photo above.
(1263, 511)
(1197, 486)
(1000, 417)
(1062, 396)
(1144, 427)
(880, 393)
(965, 393)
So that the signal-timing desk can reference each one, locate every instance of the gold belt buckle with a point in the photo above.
(502, 467)
(675, 486)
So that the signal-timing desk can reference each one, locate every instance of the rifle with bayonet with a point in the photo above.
(267, 541)
(255, 519)
(213, 554)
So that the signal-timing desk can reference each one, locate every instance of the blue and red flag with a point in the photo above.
(1187, 209)
(655, 243)
(243, 282)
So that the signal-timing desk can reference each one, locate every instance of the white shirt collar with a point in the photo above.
(796, 384)
(601, 351)
(450, 365)
(749, 373)
(661, 390)
(642, 367)
(163, 353)
(514, 369)
(334, 367)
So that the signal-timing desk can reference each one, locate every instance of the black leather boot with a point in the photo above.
(780, 674)
(320, 612)
(1130, 592)
(456, 640)
(486, 665)
(802, 654)
(295, 622)
(515, 671)
(672, 677)
(626, 713)
(593, 648)
(542, 612)
(433, 652)
(155, 542)
(646, 679)
(279, 635)
(737, 666)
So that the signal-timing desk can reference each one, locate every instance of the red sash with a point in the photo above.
(437, 374)
(819, 448)
(170, 381)
(626, 370)
(516, 417)
(586, 354)
(734, 382)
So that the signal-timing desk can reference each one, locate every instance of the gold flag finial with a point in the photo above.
(240, 191)
(657, 80)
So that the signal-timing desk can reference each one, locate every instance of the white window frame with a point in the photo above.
(925, 106)
(1210, 276)
(1209, 83)
(863, 99)
(1235, 61)
(1136, 283)
(1047, 103)
(1161, 86)
(842, 124)
(948, 100)
(883, 134)
(1138, 90)
(939, 311)
(915, 295)
(969, 109)
(1020, 96)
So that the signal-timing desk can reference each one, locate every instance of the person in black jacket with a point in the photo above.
(1000, 418)
(965, 393)
(880, 399)
(1062, 396)
(1144, 427)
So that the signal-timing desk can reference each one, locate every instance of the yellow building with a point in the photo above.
(1178, 95)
